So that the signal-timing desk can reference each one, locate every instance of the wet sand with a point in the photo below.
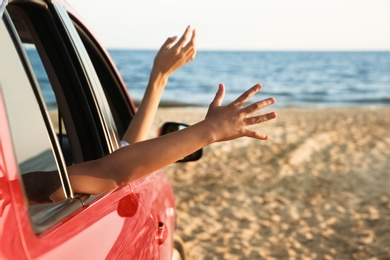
(319, 188)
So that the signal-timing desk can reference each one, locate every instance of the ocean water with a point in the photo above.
(295, 79)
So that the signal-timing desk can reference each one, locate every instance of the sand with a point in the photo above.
(319, 188)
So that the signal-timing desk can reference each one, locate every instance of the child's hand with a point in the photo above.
(174, 54)
(232, 121)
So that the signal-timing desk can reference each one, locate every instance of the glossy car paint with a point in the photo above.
(10, 195)
(134, 221)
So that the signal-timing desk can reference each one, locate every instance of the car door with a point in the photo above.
(113, 224)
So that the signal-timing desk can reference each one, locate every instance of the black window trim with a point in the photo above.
(122, 106)
(95, 88)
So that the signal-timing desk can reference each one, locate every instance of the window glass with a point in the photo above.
(46, 90)
(33, 148)
(40, 73)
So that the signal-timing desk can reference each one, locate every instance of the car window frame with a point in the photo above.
(100, 100)
(122, 106)
(67, 79)
(45, 116)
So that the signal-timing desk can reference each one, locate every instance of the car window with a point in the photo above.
(108, 126)
(85, 137)
(50, 100)
(30, 132)
(41, 75)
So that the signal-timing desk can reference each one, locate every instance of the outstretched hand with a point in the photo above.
(175, 53)
(232, 121)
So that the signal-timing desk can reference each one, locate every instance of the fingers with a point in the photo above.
(233, 120)
(168, 43)
(254, 134)
(240, 101)
(259, 119)
(191, 42)
(189, 49)
(184, 37)
(182, 47)
(193, 37)
(258, 105)
(190, 55)
(218, 96)
(247, 95)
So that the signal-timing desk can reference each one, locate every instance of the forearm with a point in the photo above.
(171, 56)
(147, 156)
(137, 160)
(92, 177)
(142, 121)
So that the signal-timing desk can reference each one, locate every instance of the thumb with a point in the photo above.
(218, 96)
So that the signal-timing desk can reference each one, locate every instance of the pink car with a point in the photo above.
(47, 51)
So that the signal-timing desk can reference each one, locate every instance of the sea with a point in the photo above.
(303, 79)
(307, 79)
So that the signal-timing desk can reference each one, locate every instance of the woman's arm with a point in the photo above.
(170, 57)
(222, 123)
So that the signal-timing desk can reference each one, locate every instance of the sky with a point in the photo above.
(241, 25)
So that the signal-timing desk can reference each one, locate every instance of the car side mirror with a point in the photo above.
(170, 127)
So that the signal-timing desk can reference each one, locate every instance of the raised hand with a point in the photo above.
(175, 53)
(172, 55)
(232, 121)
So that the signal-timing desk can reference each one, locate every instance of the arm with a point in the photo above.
(222, 123)
(170, 57)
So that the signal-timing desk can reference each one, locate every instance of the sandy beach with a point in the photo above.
(319, 188)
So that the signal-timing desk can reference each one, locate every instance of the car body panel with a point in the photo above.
(100, 233)
(10, 195)
(158, 199)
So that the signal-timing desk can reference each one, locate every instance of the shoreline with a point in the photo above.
(178, 104)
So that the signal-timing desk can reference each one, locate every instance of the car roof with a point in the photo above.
(68, 7)
(43, 2)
